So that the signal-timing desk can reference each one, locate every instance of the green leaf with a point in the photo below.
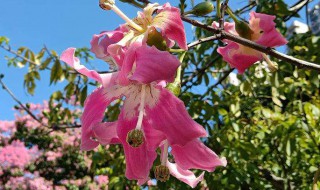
(83, 94)
(56, 72)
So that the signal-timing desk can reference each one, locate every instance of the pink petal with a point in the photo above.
(169, 21)
(106, 133)
(195, 155)
(94, 108)
(238, 56)
(101, 42)
(170, 116)
(184, 175)
(228, 27)
(68, 57)
(127, 65)
(270, 37)
(160, 66)
(139, 66)
(138, 160)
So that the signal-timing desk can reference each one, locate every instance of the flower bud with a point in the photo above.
(135, 138)
(243, 29)
(155, 39)
(202, 9)
(162, 173)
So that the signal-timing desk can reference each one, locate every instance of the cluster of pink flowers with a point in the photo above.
(17, 155)
(7, 128)
(151, 116)
(37, 110)
(28, 181)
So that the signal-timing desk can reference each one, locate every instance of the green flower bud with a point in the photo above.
(201, 9)
(243, 29)
(155, 39)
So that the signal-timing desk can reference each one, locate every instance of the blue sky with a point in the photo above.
(58, 24)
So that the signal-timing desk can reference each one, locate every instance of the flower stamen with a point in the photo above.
(162, 172)
(110, 5)
(141, 107)
(135, 137)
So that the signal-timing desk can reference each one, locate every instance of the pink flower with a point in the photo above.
(263, 32)
(150, 114)
(51, 155)
(111, 45)
(7, 129)
(148, 107)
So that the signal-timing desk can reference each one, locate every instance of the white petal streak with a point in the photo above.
(133, 98)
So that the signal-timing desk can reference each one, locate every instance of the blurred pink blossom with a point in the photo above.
(17, 155)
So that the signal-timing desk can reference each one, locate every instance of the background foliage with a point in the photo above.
(266, 124)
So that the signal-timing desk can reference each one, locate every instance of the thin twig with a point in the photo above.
(221, 79)
(199, 71)
(223, 10)
(19, 102)
(203, 40)
(296, 8)
(8, 49)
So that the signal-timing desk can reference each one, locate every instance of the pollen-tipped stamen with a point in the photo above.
(110, 5)
(272, 66)
(135, 138)
(162, 173)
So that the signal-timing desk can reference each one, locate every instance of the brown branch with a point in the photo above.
(203, 40)
(253, 45)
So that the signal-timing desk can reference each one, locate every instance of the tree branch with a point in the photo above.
(19, 102)
(8, 49)
(253, 45)
(203, 40)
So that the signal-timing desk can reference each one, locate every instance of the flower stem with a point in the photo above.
(141, 107)
(176, 50)
(164, 157)
(234, 18)
(271, 65)
(219, 8)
